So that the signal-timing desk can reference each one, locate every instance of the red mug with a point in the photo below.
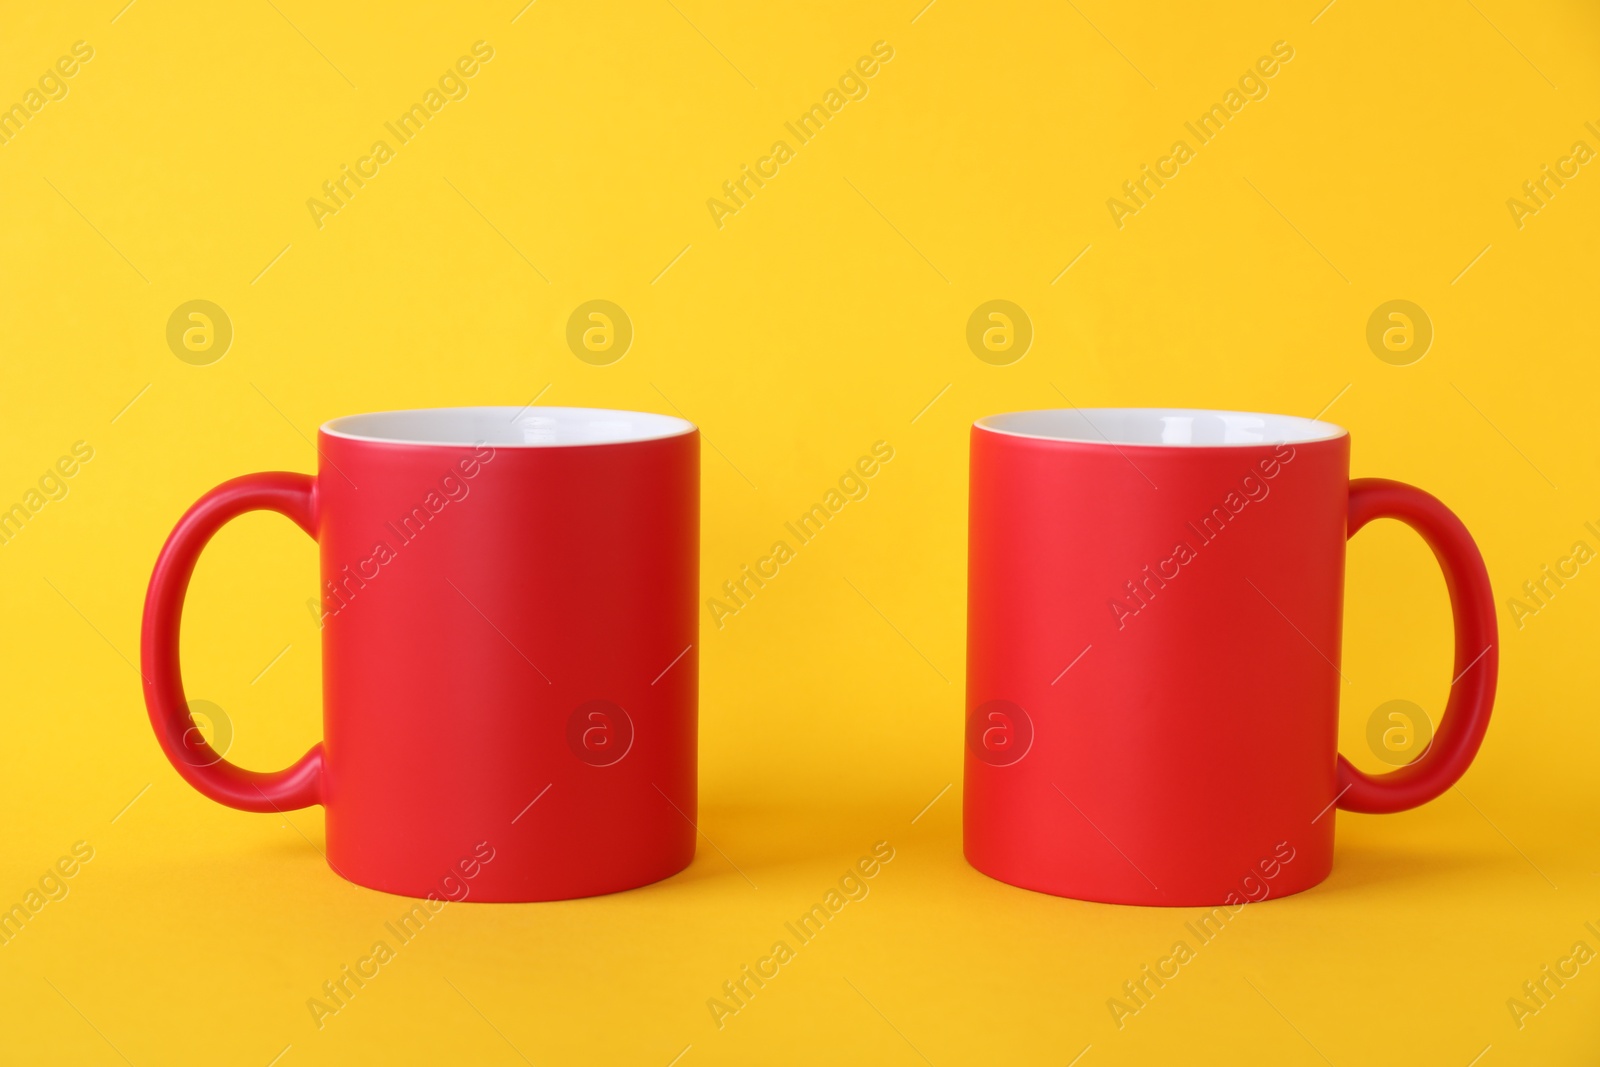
(1154, 608)
(508, 627)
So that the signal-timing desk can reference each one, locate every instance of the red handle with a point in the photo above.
(299, 786)
(1477, 663)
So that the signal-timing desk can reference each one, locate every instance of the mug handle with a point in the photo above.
(298, 786)
(1477, 659)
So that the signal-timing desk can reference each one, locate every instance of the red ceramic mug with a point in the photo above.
(508, 628)
(1153, 676)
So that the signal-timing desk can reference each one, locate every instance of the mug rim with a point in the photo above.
(1173, 426)
(503, 426)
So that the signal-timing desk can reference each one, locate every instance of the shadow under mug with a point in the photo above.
(508, 621)
(1154, 606)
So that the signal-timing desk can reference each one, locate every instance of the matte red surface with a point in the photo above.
(1193, 746)
(472, 676)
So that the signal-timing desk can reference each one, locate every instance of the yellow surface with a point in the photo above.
(829, 312)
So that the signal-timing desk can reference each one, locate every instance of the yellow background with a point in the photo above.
(821, 318)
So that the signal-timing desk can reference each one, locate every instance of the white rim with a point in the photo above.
(1160, 427)
(507, 427)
